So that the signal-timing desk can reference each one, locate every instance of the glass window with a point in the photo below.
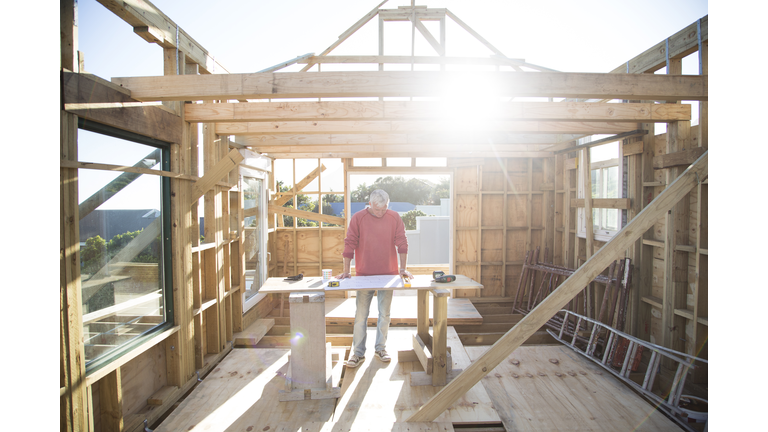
(124, 247)
(254, 210)
(605, 177)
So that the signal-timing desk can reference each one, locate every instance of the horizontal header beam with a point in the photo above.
(388, 126)
(442, 84)
(422, 110)
(466, 139)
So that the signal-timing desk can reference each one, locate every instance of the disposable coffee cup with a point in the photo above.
(327, 274)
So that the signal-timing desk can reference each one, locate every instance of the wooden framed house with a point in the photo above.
(255, 175)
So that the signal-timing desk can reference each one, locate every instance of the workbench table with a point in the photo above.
(307, 303)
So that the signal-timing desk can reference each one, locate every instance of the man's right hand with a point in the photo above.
(346, 275)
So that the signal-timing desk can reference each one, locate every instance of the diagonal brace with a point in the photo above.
(515, 337)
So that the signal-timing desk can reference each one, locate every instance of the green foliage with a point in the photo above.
(303, 202)
(409, 218)
(98, 253)
(414, 191)
(93, 255)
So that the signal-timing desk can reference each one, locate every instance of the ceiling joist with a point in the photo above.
(424, 111)
(444, 84)
(387, 127)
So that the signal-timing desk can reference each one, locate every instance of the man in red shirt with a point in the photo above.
(375, 238)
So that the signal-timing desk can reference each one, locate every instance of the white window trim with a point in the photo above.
(581, 223)
(251, 302)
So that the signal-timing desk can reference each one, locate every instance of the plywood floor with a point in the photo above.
(241, 394)
(552, 388)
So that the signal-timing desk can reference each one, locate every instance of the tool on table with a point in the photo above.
(406, 281)
(444, 278)
(437, 273)
(298, 277)
(333, 283)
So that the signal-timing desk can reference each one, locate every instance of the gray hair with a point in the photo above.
(379, 197)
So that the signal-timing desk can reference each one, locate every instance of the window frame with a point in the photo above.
(600, 234)
(264, 264)
(166, 270)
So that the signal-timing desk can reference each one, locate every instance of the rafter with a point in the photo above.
(154, 26)
(350, 31)
(416, 84)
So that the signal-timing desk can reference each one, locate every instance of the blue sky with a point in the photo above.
(247, 36)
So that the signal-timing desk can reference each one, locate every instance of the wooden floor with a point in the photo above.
(552, 388)
(241, 394)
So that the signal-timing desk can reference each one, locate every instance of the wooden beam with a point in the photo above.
(110, 401)
(387, 126)
(428, 110)
(350, 31)
(415, 83)
(215, 174)
(287, 63)
(100, 101)
(282, 199)
(610, 203)
(681, 44)
(273, 209)
(155, 27)
(563, 294)
(393, 59)
(301, 154)
(680, 158)
(457, 138)
(428, 36)
(127, 169)
(477, 36)
(404, 14)
(569, 147)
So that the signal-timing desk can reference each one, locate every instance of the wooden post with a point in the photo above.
(567, 290)
(440, 360)
(74, 404)
(110, 401)
(212, 210)
(180, 348)
(676, 233)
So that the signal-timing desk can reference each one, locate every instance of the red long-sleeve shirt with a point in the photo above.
(375, 243)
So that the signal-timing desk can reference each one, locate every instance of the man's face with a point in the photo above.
(376, 210)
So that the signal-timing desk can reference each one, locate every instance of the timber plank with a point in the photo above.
(410, 126)
(418, 83)
(427, 110)
(254, 332)
(94, 99)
